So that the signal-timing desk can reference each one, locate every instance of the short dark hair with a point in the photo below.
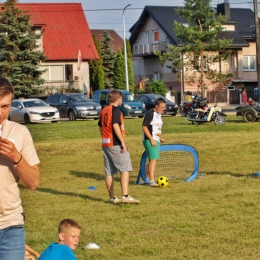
(5, 87)
(158, 101)
(67, 223)
(114, 95)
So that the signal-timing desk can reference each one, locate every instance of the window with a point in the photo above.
(156, 36)
(68, 72)
(197, 63)
(156, 76)
(249, 63)
(54, 73)
(143, 99)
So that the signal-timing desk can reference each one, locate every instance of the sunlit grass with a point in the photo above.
(213, 217)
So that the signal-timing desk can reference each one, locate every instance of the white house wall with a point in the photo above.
(56, 74)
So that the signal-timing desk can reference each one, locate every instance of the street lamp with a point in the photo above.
(126, 68)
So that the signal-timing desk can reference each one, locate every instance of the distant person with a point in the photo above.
(152, 129)
(116, 155)
(244, 97)
(88, 94)
(250, 102)
(18, 161)
(69, 233)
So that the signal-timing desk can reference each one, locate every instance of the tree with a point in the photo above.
(119, 71)
(156, 87)
(198, 40)
(19, 57)
(96, 69)
(131, 80)
(108, 58)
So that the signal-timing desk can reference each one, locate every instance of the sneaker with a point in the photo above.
(153, 184)
(130, 199)
(115, 200)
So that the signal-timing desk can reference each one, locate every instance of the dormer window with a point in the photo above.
(156, 36)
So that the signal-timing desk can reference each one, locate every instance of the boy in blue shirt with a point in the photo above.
(69, 233)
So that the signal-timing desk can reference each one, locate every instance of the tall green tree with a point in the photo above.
(108, 58)
(19, 57)
(96, 69)
(198, 39)
(119, 71)
(131, 79)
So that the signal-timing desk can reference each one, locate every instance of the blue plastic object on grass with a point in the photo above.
(257, 174)
(92, 188)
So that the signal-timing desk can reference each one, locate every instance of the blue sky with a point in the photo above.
(100, 17)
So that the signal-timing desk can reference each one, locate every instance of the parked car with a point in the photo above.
(74, 105)
(149, 101)
(250, 114)
(32, 110)
(129, 107)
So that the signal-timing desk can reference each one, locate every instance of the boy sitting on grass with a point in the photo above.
(68, 232)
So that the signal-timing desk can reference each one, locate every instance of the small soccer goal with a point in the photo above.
(177, 162)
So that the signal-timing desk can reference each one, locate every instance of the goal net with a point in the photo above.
(177, 161)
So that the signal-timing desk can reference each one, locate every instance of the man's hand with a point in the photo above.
(124, 149)
(153, 142)
(8, 149)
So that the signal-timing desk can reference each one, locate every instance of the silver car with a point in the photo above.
(74, 105)
(33, 110)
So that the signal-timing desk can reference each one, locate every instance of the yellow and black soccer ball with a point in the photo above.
(162, 181)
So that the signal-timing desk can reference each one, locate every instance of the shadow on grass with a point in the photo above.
(231, 174)
(91, 175)
(71, 194)
(235, 121)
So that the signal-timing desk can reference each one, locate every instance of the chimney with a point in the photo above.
(224, 9)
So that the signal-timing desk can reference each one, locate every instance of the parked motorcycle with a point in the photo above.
(212, 114)
(191, 103)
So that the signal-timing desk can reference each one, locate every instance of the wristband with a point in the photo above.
(16, 163)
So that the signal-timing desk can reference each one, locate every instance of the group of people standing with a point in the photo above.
(116, 155)
(19, 162)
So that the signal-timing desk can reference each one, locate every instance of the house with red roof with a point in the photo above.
(116, 40)
(66, 41)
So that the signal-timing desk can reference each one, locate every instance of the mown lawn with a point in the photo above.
(214, 217)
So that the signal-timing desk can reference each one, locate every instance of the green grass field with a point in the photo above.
(213, 217)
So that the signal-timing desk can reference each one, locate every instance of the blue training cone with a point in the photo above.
(92, 188)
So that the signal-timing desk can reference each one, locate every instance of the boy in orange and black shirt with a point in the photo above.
(116, 155)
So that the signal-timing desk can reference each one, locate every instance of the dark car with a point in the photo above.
(149, 101)
(74, 105)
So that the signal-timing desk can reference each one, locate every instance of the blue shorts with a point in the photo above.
(153, 152)
(12, 243)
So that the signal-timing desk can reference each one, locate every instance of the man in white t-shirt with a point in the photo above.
(152, 129)
(18, 161)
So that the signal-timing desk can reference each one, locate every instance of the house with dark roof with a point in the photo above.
(154, 31)
(66, 41)
(116, 40)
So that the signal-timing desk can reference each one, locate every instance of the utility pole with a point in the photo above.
(257, 47)
(126, 68)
